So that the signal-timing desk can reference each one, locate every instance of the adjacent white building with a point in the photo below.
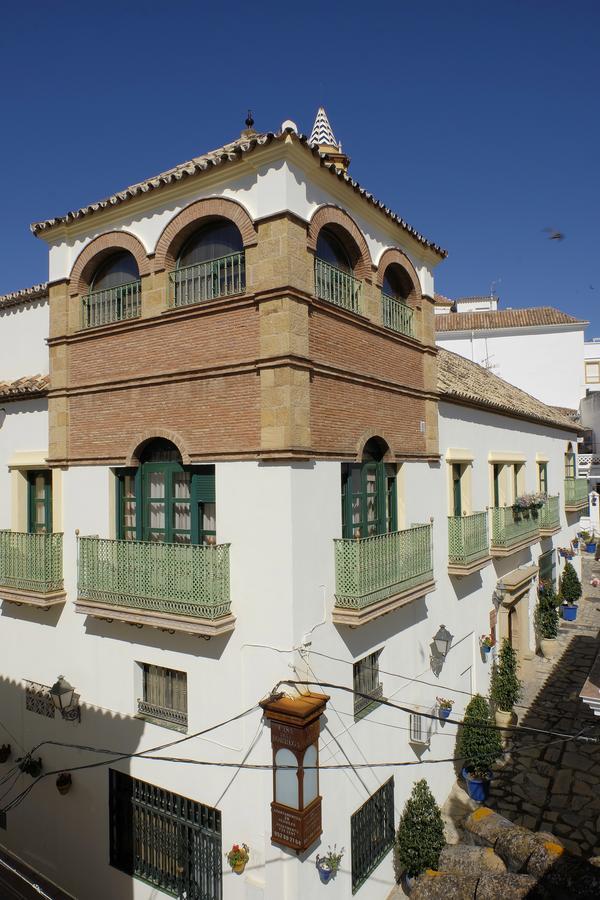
(250, 466)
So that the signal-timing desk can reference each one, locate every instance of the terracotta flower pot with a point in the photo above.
(549, 647)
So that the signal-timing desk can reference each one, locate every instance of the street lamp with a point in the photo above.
(65, 700)
(442, 641)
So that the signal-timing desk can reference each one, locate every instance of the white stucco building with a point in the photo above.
(250, 465)
(517, 345)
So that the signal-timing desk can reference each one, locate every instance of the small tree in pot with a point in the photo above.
(546, 620)
(505, 687)
(570, 589)
(420, 836)
(478, 744)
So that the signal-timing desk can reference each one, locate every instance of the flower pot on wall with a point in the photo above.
(325, 872)
(549, 647)
(444, 712)
(239, 868)
(478, 789)
(591, 548)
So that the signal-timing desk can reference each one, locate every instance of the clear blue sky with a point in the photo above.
(476, 121)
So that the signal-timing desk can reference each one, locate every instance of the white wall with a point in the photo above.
(281, 521)
(24, 429)
(547, 362)
(23, 333)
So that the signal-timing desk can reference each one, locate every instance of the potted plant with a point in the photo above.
(589, 539)
(238, 856)
(420, 835)
(505, 687)
(486, 643)
(565, 552)
(30, 766)
(570, 589)
(4, 752)
(328, 865)
(546, 620)
(575, 544)
(478, 745)
(444, 707)
(64, 782)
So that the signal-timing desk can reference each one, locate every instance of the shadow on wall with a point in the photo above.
(360, 640)
(66, 838)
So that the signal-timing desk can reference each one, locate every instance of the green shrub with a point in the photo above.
(505, 688)
(479, 748)
(546, 613)
(570, 585)
(420, 836)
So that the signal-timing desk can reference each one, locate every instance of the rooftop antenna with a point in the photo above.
(493, 286)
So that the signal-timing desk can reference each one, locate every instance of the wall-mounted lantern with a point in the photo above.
(65, 700)
(296, 806)
(442, 641)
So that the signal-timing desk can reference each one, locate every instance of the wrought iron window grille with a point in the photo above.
(372, 833)
(38, 699)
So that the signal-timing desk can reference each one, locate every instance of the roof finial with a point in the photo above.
(249, 120)
(322, 136)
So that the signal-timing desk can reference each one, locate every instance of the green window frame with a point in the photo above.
(167, 502)
(543, 477)
(39, 501)
(569, 465)
(369, 499)
(497, 472)
(457, 473)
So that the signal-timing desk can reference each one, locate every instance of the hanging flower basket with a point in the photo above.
(237, 857)
(444, 707)
(328, 865)
(64, 782)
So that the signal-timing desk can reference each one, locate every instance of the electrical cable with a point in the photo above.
(488, 725)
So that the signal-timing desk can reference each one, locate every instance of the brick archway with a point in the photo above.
(136, 447)
(334, 216)
(366, 436)
(395, 256)
(189, 219)
(100, 249)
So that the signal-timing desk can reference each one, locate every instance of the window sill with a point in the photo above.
(161, 723)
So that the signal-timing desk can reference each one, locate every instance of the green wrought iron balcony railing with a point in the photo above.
(111, 305)
(396, 315)
(373, 569)
(174, 579)
(31, 562)
(550, 514)
(468, 539)
(576, 493)
(210, 280)
(337, 287)
(513, 528)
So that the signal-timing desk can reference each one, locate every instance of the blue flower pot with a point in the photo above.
(569, 612)
(486, 650)
(478, 789)
(324, 874)
(444, 713)
(591, 548)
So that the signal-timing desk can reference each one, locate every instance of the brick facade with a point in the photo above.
(273, 373)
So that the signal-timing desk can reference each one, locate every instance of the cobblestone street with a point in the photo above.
(546, 783)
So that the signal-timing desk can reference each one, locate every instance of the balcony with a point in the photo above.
(31, 569)
(550, 516)
(210, 280)
(111, 305)
(397, 316)
(164, 715)
(337, 287)
(576, 494)
(375, 575)
(513, 529)
(175, 587)
(468, 543)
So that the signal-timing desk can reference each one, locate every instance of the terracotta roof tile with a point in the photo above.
(28, 386)
(229, 153)
(440, 300)
(25, 295)
(505, 318)
(463, 381)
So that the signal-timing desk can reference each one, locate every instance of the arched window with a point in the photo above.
(211, 264)
(395, 291)
(569, 461)
(334, 265)
(165, 501)
(114, 291)
(369, 505)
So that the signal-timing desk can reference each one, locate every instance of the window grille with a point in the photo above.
(169, 841)
(420, 729)
(164, 695)
(366, 681)
(38, 699)
(372, 833)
